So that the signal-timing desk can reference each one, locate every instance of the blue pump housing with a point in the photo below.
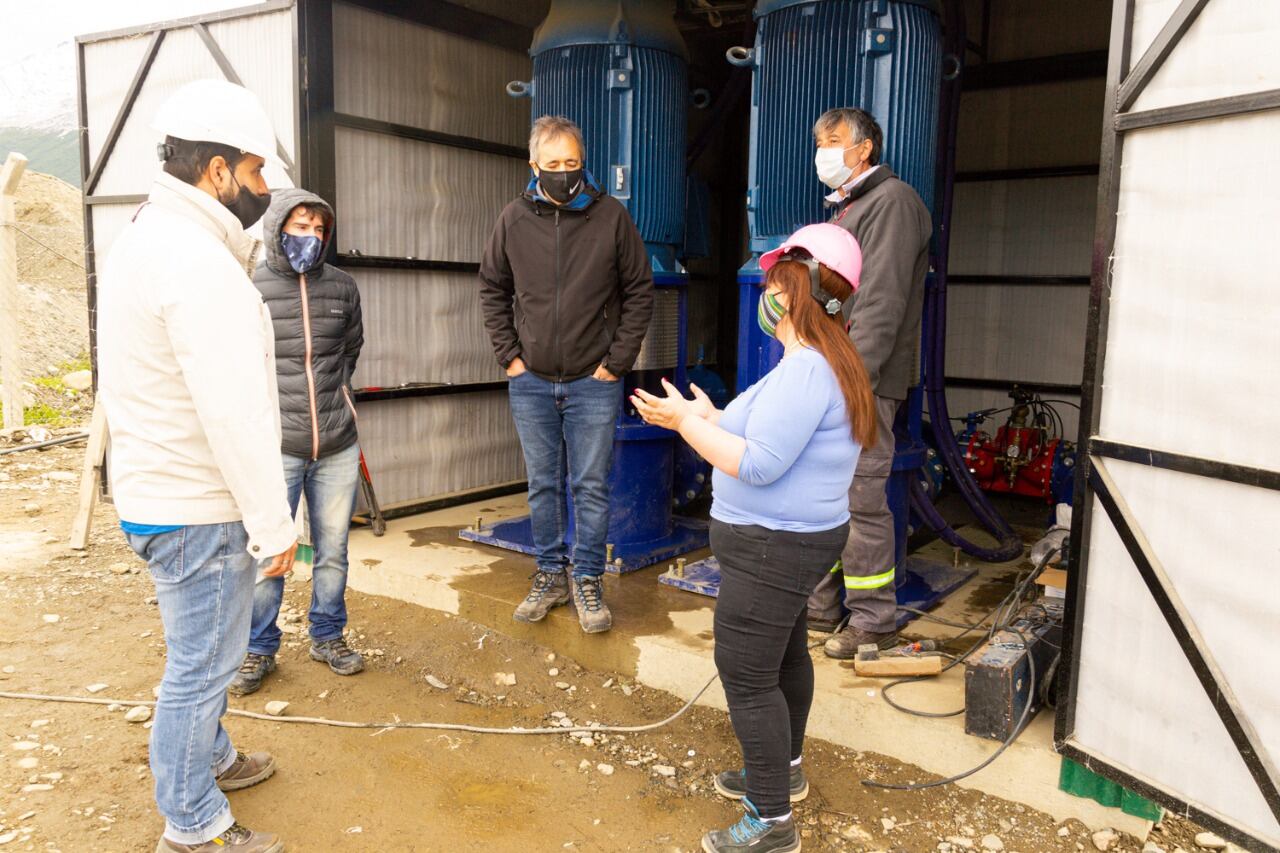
(620, 71)
(883, 56)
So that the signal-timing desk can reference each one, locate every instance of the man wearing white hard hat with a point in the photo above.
(187, 377)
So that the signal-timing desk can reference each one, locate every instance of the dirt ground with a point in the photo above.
(75, 777)
(51, 281)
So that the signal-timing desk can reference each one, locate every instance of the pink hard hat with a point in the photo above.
(828, 244)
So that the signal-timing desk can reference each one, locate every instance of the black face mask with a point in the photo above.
(245, 205)
(561, 187)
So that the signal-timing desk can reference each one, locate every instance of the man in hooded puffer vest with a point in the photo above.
(315, 310)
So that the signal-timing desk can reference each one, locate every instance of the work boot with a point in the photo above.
(550, 589)
(251, 673)
(342, 659)
(246, 771)
(733, 784)
(844, 646)
(237, 839)
(588, 597)
(753, 835)
(822, 626)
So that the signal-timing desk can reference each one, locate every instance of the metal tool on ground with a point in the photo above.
(376, 520)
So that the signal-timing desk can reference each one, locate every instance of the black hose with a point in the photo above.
(1010, 544)
(41, 445)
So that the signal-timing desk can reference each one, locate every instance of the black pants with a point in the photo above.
(766, 578)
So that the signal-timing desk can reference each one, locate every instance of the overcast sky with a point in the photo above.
(37, 58)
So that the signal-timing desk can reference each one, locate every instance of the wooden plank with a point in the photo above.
(90, 477)
(895, 667)
(1056, 578)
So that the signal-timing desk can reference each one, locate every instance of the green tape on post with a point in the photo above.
(1080, 781)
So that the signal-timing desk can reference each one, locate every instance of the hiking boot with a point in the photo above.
(249, 678)
(237, 839)
(342, 659)
(593, 613)
(844, 646)
(550, 589)
(754, 835)
(733, 784)
(246, 771)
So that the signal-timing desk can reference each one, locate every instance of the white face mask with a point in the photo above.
(832, 170)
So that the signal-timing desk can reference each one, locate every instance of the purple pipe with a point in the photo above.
(935, 333)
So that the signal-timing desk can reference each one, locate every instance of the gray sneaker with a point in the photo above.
(753, 835)
(550, 589)
(342, 659)
(251, 673)
(733, 784)
(246, 771)
(237, 839)
(588, 597)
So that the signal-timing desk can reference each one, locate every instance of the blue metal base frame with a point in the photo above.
(516, 534)
(926, 584)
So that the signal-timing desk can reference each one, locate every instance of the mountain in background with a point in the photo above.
(49, 150)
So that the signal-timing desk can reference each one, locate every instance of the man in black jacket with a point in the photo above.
(315, 311)
(567, 294)
(893, 227)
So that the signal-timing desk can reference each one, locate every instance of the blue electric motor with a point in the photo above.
(883, 56)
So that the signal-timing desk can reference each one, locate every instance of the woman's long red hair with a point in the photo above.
(826, 333)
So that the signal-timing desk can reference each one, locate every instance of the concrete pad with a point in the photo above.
(663, 637)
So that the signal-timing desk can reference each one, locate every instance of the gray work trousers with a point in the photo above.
(865, 574)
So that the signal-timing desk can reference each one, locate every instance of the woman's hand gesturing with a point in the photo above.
(669, 411)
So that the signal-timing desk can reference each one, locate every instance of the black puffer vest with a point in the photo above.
(319, 333)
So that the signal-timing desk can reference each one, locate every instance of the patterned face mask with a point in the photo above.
(302, 252)
(770, 313)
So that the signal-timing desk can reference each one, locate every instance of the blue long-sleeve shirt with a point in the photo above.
(798, 465)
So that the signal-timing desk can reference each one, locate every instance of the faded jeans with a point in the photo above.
(566, 429)
(330, 485)
(203, 575)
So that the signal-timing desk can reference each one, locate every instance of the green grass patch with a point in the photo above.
(43, 415)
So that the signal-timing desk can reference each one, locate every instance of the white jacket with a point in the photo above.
(186, 372)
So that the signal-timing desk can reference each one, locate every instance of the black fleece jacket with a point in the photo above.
(319, 332)
(566, 289)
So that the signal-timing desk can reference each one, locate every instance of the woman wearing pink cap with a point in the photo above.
(784, 453)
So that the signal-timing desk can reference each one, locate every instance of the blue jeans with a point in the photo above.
(566, 430)
(204, 585)
(330, 485)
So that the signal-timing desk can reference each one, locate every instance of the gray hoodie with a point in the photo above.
(319, 333)
(893, 228)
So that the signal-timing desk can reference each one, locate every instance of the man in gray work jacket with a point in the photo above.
(893, 228)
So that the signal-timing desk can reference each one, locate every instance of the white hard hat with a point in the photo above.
(219, 111)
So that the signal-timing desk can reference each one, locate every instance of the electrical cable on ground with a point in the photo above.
(348, 724)
(43, 445)
(1004, 612)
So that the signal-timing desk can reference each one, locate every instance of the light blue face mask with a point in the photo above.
(302, 252)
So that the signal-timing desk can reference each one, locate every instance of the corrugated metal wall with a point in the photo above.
(407, 198)
(1017, 330)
